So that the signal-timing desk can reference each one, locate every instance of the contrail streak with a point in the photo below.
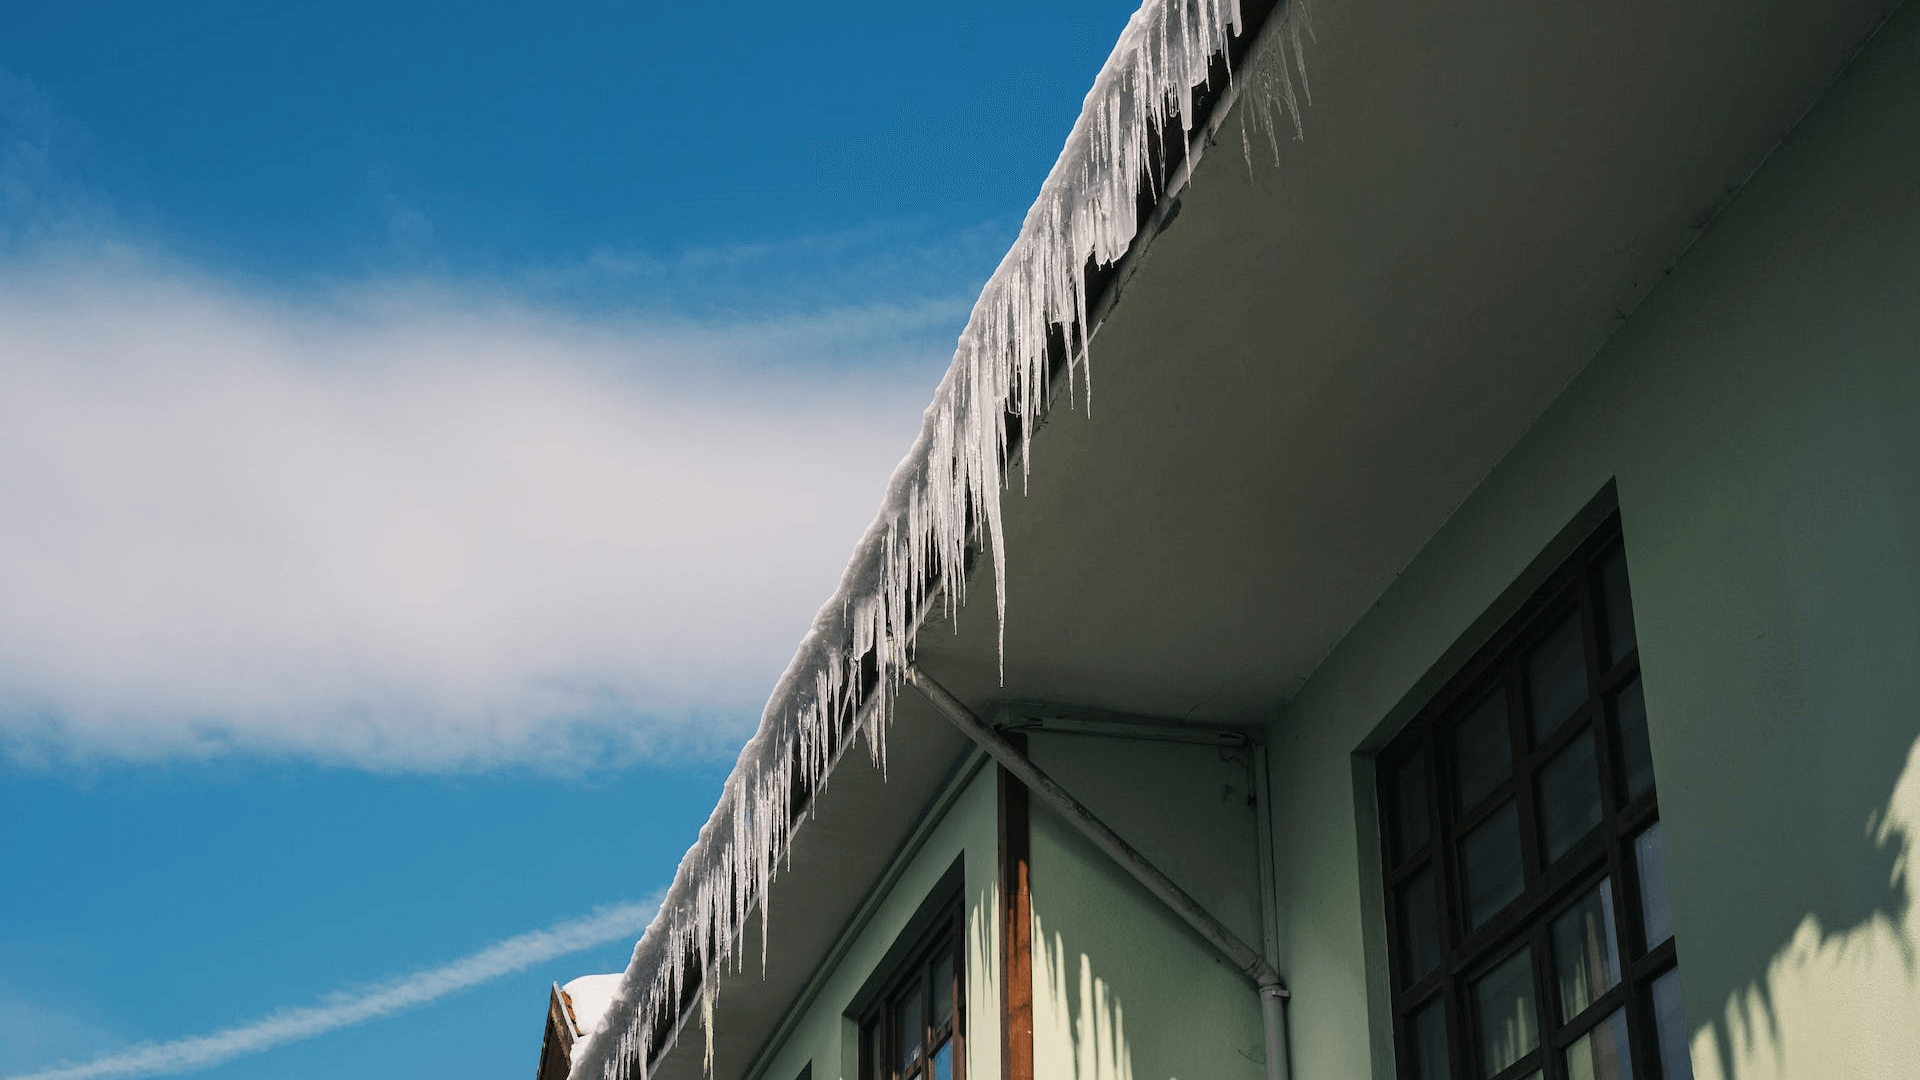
(348, 1009)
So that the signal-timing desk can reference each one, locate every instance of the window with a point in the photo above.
(915, 1028)
(1526, 896)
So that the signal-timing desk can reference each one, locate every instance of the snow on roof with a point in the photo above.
(943, 496)
(587, 999)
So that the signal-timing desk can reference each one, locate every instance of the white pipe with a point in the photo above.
(1273, 1013)
(1273, 992)
(1272, 1007)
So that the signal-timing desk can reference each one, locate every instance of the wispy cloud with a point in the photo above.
(357, 1007)
(38, 194)
(405, 528)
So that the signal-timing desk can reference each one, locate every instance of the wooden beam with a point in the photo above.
(1016, 931)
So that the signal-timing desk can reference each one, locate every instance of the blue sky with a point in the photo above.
(425, 433)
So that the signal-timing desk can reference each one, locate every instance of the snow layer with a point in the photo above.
(943, 497)
(588, 998)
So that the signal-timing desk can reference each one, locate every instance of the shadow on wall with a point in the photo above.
(983, 994)
(1081, 1003)
(1835, 1003)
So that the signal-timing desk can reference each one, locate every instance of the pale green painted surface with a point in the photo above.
(1760, 414)
(826, 1037)
(1122, 989)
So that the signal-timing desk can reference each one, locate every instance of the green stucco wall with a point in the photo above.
(1122, 989)
(1760, 418)
(825, 1036)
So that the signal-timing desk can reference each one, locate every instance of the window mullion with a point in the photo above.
(1459, 1038)
(1519, 722)
(926, 1014)
(1546, 998)
(1440, 809)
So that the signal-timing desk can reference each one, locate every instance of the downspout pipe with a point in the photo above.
(1273, 992)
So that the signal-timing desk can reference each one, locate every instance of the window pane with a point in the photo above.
(1601, 1054)
(1429, 1049)
(1586, 959)
(1490, 858)
(1656, 920)
(1420, 944)
(1411, 815)
(1616, 607)
(876, 1050)
(1504, 1014)
(910, 1024)
(1556, 677)
(1569, 796)
(943, 1061)
(1636, 753)
(943, 990)
(1482, 751)
(1670, 1026)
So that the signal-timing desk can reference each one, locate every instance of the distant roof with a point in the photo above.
(587, 999)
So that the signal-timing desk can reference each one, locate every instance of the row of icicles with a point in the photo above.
(941, 497)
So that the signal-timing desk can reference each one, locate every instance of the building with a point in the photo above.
(1486, 585)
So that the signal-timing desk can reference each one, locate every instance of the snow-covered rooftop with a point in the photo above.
(588, 998)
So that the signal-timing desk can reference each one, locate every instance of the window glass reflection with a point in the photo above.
(1656, 921)
(1490, 862)
(1504, 1016)
(911, 1024)
(1569, 796)
(1482, 751)
(1411, 815)
(1636, 752)
(942, 990)
(1601, 1054)
(1670, 1028)
(1616, 606)
(1420, 942)
(1556, 677)
(1586, 958)
(1429, 1049)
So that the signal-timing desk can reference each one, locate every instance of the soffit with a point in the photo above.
(1315, 363)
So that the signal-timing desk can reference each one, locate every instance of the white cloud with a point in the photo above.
(407, 530)
(358, 1007)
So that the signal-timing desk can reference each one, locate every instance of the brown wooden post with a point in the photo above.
(1016, 932)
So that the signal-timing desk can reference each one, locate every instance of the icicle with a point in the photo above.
(706, 1021)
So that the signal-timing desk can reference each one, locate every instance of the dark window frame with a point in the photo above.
(1549, 887)
(880, 1037)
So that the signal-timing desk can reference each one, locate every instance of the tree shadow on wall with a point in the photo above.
(1083, 1004)
(1841, 997)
